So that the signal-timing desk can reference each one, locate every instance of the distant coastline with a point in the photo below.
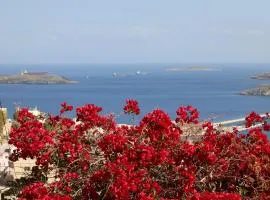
(35, 78)
(190, 69)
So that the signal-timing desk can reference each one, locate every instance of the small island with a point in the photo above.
(190, 69)
(263, 76)
(263, 90)
(35, 78)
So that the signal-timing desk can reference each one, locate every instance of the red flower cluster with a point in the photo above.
(252, 118)
(30, 138)
(93, 158)
(65, 107)
(132, 107)
(37, 191)
(216, 195)
(187, 114)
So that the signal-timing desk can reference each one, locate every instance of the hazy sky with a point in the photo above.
(82, 31)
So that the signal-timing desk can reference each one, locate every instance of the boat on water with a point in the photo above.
(137, 73)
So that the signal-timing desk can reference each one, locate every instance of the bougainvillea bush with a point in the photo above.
(92, 157)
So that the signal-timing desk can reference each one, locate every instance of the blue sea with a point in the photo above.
(214, 93)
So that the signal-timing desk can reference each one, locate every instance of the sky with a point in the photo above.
(106, 31)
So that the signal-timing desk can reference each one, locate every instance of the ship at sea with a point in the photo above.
(137, 73)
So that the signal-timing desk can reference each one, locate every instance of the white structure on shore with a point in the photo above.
(24, 72)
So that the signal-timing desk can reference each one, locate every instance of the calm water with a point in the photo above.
(214, 93)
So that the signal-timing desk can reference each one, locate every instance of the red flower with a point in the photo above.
(65, 107)
(252, 118)
(132, 107)
(156, 120)
(38, 191)
(216, 196)
(187, 114)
